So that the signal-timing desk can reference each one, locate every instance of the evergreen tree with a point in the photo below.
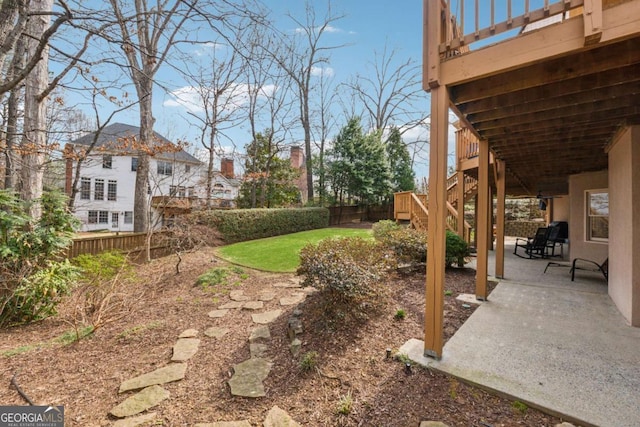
(403, 177)
(269, 179)
(357, 167)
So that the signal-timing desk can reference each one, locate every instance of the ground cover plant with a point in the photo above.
(341, 377)
(282, 253)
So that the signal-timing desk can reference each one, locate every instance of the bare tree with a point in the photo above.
(393, 96)
(219, 95)
(323, 127)
(148, 34)
(14, 21)
(35, 138)
(304, 56)
(268, 107)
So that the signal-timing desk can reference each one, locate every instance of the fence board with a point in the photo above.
(129, 242)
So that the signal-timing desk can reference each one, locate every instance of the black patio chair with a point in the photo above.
(591, 266)
(534, 247)
(552, 241)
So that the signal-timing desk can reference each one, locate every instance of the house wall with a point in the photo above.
(624, 223)
(121, 172)
(579, 246)
(561, 208)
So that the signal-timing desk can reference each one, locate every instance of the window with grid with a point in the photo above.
(597, 220)
(98, 189)
(115, 219)
(182, 191)
(134, 164)
(165, 168)
(187, 168)
(128, 217)
(173, 190)
(85, 188)
(93, 217)
(103, 217)
(112, 190)
(107, 161)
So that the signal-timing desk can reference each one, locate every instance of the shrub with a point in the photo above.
(408, 245)
(239, 225)
(102, 295)
(347, 271)
(457, 250)
(213, 277)
(381, 229)
(33, 279)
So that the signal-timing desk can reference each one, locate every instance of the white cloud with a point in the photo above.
(322, 71)
(205, 48)
(236, 96)
(187, 97)
(330, 29)
(327, 29)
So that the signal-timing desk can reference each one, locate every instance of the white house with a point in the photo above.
(104, 186)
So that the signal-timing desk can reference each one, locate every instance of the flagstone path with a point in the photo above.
(248, 375)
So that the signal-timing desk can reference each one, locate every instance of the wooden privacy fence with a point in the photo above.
(356, 213)
(131, 243)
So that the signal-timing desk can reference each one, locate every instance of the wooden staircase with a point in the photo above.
(412, 207)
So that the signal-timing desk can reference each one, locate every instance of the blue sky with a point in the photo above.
(367, 26)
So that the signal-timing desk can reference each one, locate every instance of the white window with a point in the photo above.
(128, 217)
(165, 168)
(85, 188)
(93, 217)
(107, 161)
(134, 164)
(98, 189)
(103, 217)
(597, 215)
(115, 219)
(112, 190)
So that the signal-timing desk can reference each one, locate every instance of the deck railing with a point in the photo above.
(468, 21)
(470, 188)
(413, 207)
(467, 145)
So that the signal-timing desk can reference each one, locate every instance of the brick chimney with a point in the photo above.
(226, 168)
(297, 157)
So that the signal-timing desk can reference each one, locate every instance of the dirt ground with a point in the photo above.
(351, 364)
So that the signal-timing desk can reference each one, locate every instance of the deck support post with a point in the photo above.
(483, 221)
(436, 249)
(500, 208)
(592, 16)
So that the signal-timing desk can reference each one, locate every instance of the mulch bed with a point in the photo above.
(352, 373)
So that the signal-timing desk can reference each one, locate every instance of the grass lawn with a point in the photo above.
(280, 254)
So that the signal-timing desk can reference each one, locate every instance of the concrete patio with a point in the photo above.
(551, 343)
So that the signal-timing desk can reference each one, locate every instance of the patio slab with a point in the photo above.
(554, 344)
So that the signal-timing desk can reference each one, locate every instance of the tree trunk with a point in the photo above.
(210, 164)
(35, 139)
(13, 103)
(141, 198)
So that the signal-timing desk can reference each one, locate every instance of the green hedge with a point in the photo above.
(238, 225)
